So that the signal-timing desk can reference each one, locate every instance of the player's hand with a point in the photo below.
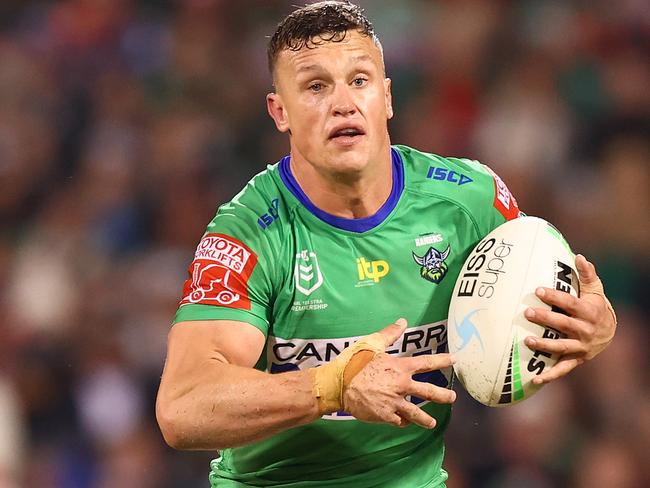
(589, 327)
(376, 393)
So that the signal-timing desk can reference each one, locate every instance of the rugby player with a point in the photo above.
(280, 356)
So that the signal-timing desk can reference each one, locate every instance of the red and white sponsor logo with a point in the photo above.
(224, 250)
(504, 200)
(219, 273)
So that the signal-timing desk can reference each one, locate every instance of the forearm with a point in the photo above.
(206, 400)
(228, 405)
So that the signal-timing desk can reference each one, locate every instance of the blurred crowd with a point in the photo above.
(124, 124)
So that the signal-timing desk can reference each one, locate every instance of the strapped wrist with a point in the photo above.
(331, 379)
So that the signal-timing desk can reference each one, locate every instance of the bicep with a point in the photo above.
(229, 341)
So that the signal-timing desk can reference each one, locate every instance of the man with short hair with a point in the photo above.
(276, 356)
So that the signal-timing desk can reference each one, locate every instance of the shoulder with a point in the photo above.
(253, 199)
(236, 265)
(466, 183)
(421, 169)
(258, 211)
(249, 231)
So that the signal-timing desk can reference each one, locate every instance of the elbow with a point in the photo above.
(180, 434)
(174, 427)
(172, 437)
(170, 427)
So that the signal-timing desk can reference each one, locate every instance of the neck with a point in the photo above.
(348, 195)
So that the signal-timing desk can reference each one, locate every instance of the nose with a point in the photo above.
(343, 102)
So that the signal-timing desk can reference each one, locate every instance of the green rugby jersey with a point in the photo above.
(313, 283)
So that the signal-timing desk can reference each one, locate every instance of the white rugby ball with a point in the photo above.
(486, 323)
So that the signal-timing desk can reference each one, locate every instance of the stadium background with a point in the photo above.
(124, 124)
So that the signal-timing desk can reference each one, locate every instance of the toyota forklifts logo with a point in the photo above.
(219, 273)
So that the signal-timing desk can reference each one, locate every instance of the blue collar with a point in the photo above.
(352, 225)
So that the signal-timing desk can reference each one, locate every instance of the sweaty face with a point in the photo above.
(335, 102)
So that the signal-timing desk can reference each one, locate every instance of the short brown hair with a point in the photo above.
(329, 21)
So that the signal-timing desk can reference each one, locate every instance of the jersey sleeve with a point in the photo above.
(229, 277)
(493, 203)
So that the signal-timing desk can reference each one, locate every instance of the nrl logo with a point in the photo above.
(433, 266)
(307, 273)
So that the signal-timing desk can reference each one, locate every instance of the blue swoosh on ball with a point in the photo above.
(466, 330)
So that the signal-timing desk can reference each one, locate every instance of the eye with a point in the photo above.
(359, 82)
(316, 87)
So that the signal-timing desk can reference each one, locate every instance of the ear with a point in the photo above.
(389, 97)
(276, 110)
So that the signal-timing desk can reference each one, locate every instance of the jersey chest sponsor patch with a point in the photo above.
(504, 201)
(295, 354)
(219, 273)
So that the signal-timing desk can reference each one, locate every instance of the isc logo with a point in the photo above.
(443, 174)
(272, 214)
(372, 270)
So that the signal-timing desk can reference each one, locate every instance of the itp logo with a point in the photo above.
(372, 270)
(466, 330)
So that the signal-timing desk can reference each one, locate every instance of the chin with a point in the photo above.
(352, 158)
(348, 162)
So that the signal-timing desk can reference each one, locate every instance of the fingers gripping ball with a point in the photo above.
(591, 283)
(330, 380)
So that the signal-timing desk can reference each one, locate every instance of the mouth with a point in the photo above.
(346, 135)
